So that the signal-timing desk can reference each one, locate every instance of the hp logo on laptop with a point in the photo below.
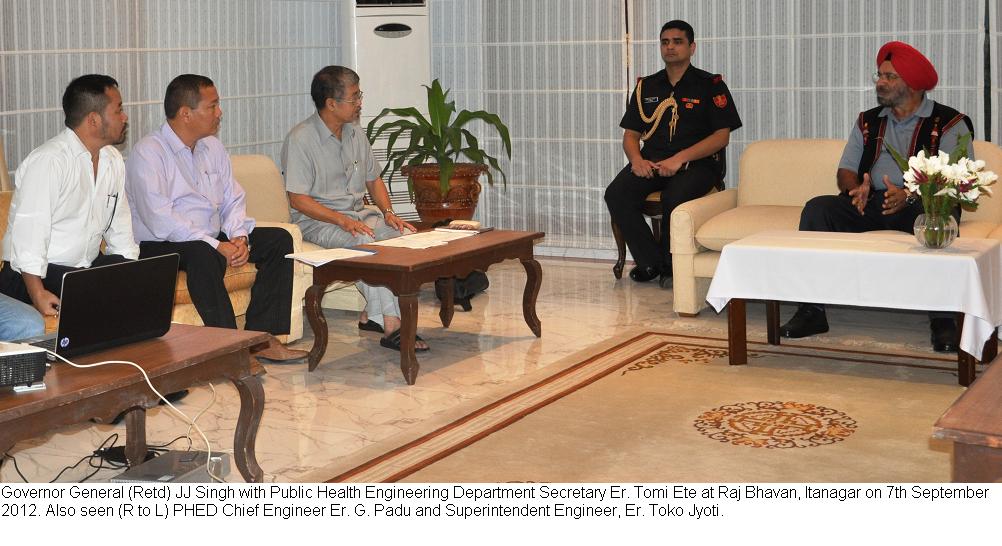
(64, 342)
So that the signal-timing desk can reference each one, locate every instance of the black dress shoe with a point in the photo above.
(807, 321)
(644, 273)
(944, 335)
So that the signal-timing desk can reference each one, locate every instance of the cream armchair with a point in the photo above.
(776, 178)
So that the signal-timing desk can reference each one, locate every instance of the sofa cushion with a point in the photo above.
(740, 222)
(239, 278)
(995, 234)
(788, 172)
(976, 228)
(265, 188)
(5, 197)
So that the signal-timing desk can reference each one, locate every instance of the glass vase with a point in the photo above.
(936, 230)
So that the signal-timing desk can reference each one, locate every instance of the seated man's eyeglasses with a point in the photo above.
(357, 98)
(889, 76)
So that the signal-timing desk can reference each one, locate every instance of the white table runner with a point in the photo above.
(877, 269)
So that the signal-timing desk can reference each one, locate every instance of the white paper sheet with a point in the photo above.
(424, 239)
(320, 257)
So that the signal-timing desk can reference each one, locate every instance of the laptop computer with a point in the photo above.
(112, 305)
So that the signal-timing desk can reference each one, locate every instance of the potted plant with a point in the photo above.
(439, 186)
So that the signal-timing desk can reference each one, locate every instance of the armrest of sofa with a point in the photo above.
(688, 217)
(293, 229)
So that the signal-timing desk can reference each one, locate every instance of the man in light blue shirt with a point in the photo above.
(185, 200)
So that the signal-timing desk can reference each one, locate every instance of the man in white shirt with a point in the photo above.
(69, 198)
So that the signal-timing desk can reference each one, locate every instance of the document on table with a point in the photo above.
(320, 257)
(424, 239)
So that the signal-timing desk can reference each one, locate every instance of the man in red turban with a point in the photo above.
(872, 189)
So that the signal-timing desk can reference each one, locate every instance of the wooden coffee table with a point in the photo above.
(404, 270)
(974, 424)
(184, 356)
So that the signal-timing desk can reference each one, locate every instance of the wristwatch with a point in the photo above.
(912, 198)
(389, 211)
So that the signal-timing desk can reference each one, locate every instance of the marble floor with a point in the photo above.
(357, 398)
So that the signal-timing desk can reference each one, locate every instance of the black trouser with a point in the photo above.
(625, 198)
(12, 283)
(271, 295)
(837, 213)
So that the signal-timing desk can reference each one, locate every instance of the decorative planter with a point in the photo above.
(936, 230)
(458, 204)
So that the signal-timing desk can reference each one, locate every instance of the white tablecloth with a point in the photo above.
(879, 269)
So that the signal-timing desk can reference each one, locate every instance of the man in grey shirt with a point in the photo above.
(872, 195)
(328, 166)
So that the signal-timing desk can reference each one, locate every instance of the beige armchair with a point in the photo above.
(776, 178)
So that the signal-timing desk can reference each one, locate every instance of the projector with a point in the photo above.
(21, 364)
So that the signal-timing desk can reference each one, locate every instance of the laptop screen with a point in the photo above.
(116, 304)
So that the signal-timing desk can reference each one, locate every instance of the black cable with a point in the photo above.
(162, 447)
(113, 438)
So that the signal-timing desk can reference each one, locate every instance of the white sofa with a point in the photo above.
(776, 178)
(268, 204)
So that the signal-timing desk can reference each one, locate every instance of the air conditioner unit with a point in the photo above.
(388, 43)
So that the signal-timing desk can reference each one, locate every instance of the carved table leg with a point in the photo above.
(533, 280)
(317, 323)
(737, 336)
(135, 436)
(448, 304)
(251, 409)
(772, 322)
(408, 329)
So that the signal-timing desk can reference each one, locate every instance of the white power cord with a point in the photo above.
(191, 422)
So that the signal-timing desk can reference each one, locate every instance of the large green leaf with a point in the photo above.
(493, 120)
(414, 139)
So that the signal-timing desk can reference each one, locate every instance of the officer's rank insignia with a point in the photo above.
(720, 101)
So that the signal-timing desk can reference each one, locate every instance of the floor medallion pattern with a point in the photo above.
(775, 424)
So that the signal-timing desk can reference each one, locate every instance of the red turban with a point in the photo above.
(911, 65)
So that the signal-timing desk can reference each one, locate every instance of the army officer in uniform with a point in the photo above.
(684, 116)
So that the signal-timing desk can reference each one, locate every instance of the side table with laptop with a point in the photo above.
(184, 356)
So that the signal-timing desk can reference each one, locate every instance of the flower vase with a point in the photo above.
(936, 230)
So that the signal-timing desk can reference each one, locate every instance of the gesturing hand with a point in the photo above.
(860, 194)
(895, 198)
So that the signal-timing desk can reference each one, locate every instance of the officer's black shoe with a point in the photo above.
(807, 321)
(944, 335)
(644, 273)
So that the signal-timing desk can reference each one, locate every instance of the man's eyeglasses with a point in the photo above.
(889, 76)
(357, 98)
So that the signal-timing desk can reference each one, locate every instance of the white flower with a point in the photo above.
(986, 178)
(972, 195)
(950, 191)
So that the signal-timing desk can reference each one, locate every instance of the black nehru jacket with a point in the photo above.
(702, 103)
